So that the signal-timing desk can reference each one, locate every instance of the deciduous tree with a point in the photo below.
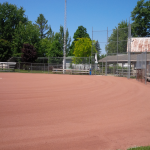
(141, 19)
(83, 47)
(81, 32)
(10, 16)
(25, 33)
(54, 49)
(122, 32)
(5, 50)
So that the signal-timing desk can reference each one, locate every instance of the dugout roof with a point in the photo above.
(123, 58)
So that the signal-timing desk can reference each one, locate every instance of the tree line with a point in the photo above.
(18, 35)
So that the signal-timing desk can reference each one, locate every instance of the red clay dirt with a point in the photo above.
(72, 112)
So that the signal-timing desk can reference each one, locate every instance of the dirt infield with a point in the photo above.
(64, 112)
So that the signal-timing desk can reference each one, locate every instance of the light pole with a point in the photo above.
(64, 50)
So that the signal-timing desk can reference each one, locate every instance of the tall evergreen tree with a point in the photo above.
(68, 39)
(97, 46)
(42, 25)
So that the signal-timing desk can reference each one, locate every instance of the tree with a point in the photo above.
(97, 46)
(61, 39)
(81, 32)
(54, 49)
(83, 47)
(98, 49)
(42, 25)
(122, 32)
(102, 56)
(5, 50)
(45, 45)
(50, 34)
(10, 16)
(28, 53)
(141, 19)
(54, 41)
(25, 33)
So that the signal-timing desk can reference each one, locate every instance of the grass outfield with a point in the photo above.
(26, 71)
(35, 71)
(140, 148)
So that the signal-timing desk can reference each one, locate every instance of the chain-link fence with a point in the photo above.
(73, 65)
(143, 67)
(26, 67)
(117, 45)
(7, 66)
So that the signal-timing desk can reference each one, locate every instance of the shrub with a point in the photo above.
(28, 53)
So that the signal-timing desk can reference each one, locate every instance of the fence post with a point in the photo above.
(48, 64)
(95, 68)
(122, 69)
(106, 55)
(89, 65)
(129, 49)
(146, 67)
(117, 51)
(9, 67)
(106, 66)
(99, 69)
(102, 67)
(2, 65)
(19, 66)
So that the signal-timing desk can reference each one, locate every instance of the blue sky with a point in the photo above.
(98, 14)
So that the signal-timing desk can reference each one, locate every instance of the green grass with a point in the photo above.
(25, 71)
(6, 70)
(132, 77)
(140, 148)
(33, 71)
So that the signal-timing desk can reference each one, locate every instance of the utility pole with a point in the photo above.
(64, 51)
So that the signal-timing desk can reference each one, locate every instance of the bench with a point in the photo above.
(7, 66)
(71, 71)
(80, 71)
(55, 70)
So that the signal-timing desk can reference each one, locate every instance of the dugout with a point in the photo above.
(118, 64)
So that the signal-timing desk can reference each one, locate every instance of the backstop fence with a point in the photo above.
(143, 67)
(117, 61)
